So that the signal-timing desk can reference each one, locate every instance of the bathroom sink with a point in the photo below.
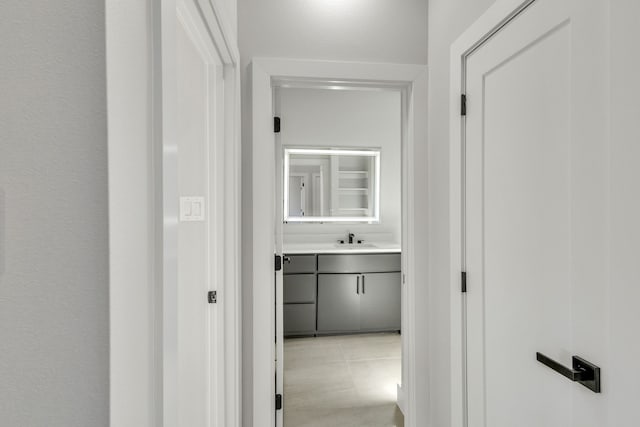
(355, 246)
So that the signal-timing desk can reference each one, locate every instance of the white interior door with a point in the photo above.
(200, 235)
(535, 196)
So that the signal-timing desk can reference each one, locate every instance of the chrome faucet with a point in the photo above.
(351, 236)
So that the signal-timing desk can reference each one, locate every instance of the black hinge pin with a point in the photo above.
(463, 105)
(278, 402)
(463, 282)
(276, 124)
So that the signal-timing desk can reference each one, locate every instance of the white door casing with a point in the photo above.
(263, 287)
(533, 227)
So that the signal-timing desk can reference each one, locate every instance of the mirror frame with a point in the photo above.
(373, 152)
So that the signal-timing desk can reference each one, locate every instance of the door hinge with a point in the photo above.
(463, 282)
(276, 124)
(278, 263)
(463, 105)
(212, 297)
(278, 402)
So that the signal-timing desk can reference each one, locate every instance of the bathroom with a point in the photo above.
(339, 192)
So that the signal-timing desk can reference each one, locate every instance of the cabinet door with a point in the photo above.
(338, 302)
(299, 288)
(299, 319)
(380, 301)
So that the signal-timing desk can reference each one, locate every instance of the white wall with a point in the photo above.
(54, 342)
(229, 10)
(353, 30)
(348, 118)
(447, 20)
(133, 368)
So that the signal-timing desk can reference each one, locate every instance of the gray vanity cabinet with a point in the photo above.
(341, 293)
(380, 302)
(338, 302)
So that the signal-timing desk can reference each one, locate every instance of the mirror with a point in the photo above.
(331, 185)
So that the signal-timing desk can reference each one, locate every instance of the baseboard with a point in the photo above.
(400, 400)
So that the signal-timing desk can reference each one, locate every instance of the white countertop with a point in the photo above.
(335, 248)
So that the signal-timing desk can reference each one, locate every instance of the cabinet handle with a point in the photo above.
(357, 285)
(363, 284)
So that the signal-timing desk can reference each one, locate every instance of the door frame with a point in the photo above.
(143, 211)
(259, 241)
(492, 21)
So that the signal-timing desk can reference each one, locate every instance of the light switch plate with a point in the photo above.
(191, 209)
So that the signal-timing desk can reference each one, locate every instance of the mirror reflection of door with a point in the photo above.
(306, 187)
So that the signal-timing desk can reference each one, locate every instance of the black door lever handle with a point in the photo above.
(583, 372)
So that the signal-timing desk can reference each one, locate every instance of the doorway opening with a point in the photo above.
(338, 223)
(264, 289)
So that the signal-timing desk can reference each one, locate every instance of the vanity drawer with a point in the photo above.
(299, 288)
(358, 263)
(299, 264)
(299, 319)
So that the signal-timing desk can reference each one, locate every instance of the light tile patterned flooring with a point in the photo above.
(342, 381)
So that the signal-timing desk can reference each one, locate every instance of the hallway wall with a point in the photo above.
(354, 30)
(54, 342)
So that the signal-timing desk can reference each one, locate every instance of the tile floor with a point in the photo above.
(342, 381)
